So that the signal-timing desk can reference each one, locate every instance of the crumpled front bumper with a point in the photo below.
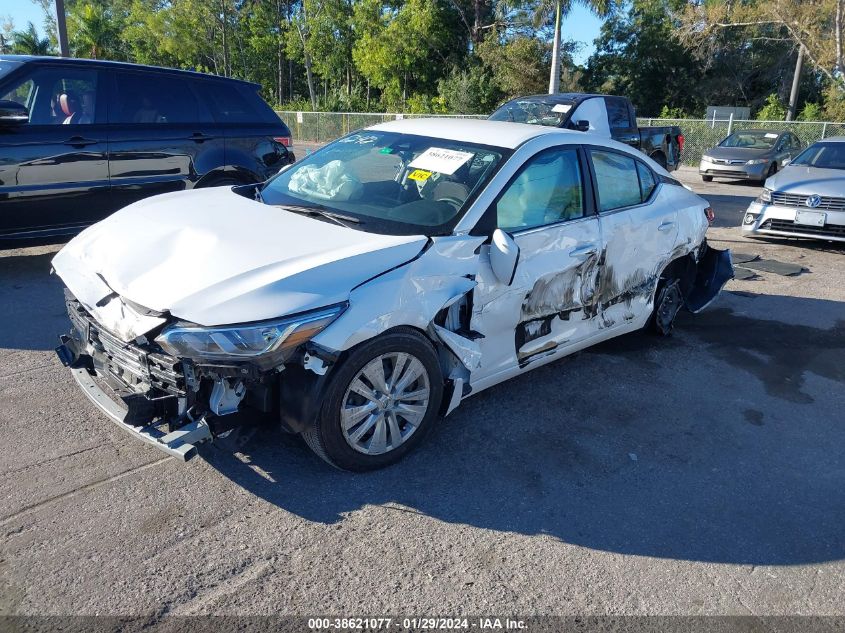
(179, 443)
(144, 392)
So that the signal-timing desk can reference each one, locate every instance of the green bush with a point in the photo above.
(772, 110)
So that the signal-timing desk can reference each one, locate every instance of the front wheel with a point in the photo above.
(381, 402)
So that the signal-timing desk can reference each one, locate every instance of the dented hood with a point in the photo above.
(213, 257)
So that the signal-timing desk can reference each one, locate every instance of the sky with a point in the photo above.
(580, 25)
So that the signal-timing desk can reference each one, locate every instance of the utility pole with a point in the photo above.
(796, 81)
(554, 79)
(61, 28)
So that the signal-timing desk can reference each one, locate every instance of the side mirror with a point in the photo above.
(13, 113)
(504, 256)
(582, 125)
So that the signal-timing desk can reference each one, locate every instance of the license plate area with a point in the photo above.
(810, 218)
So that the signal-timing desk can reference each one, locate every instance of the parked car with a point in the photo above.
(379, 282)
(749, 155)
(80, 139)
(806, 198)
(609, 116)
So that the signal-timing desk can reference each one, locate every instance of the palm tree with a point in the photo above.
(28, 42)
(543, 11)
(94, 32)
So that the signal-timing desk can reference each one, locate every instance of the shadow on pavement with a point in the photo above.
(613, 450)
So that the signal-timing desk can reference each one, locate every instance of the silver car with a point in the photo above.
(749, 155)
(806, 199)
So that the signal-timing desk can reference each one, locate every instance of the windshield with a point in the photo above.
(823, 155)
(388, 182)
(534, 111)
(751, 139)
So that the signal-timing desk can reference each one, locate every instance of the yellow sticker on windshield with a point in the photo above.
(419, 174)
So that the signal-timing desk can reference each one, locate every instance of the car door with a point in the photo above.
(623, 127)
(161, 139)
(546, 308)
(638, 236)
(54, 176)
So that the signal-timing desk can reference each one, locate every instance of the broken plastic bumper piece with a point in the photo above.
(179, 443)
(715, 269)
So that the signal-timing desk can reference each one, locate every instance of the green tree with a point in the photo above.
(638, 55)
(94, 31)
(28, 42)
(811, 112)
(468, 91)
(772, 110)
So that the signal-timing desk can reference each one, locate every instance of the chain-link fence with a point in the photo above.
(321, 127)
(699, 134)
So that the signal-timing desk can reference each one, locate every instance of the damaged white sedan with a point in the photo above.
(370, 288)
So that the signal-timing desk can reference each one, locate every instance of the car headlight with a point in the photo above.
(267, 343)
(707, 159)
(757, 161)
(765, 195)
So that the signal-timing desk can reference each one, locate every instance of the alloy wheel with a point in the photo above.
(385, 403)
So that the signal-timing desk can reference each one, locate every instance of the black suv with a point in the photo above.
(80, 139)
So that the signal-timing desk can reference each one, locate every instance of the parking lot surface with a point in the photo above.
(698, 474)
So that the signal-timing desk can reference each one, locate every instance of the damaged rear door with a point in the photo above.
(638, 236)
(549, 211)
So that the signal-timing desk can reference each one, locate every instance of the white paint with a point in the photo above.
(213, 257)
(562, 107)
(444, 161)
(595, 111)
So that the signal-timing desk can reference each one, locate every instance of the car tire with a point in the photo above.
(668, 301)
(370, 418)
(773, 169)
(707, 178)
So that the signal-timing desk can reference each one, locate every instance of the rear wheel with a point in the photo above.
(660, 159)
(380, 404)
(668, 301)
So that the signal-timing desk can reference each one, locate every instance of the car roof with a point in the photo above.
(832, 139)
(482, 131)
(761, 131)
(76, 61)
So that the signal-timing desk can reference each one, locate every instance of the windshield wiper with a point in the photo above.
(337, 218)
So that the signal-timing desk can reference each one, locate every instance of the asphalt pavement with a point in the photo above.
(698, 474)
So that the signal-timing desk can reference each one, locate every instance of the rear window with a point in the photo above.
(151, 98)
(231, 103)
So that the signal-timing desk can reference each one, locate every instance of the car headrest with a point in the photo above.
(68, 103)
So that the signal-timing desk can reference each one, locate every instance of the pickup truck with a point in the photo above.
(609, 116)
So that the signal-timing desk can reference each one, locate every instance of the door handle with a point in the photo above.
(79, 141)
(199, 137)
(666, 226)
(583, 250)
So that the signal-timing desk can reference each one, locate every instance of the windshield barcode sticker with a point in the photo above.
(444, 161)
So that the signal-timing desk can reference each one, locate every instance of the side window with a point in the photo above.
(227, 104)
(617, 112)
(616, 180)
(151, 98)
(57, 96)
(647, 183)
(546, 190)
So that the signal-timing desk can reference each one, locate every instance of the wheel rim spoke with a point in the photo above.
(414, 370)
(361, 389)
(398, 368)
(366, 426)
(411, 396)
(395, 432)
(374, 372)
(378, 443)
(353, 415)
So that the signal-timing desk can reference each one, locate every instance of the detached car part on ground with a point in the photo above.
(806, 199)
(374, 285)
